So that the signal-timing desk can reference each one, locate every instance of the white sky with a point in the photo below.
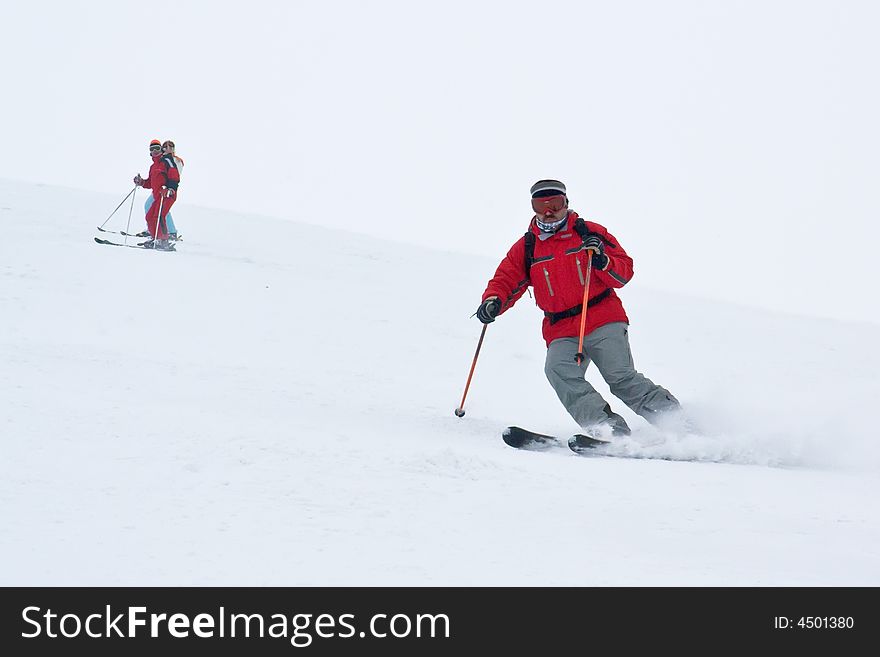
(731, 146)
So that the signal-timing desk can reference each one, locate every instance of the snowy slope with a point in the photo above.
(272, 405)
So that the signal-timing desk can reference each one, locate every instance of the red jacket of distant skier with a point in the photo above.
(163, 173)
(557, 277)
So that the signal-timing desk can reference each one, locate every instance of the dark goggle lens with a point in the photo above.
(155, 148)
(548, 203)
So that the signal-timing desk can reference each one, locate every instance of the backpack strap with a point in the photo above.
(580, 227)
(529, 242)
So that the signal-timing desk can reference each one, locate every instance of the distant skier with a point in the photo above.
(162, 179)
(167, 149)
(554, 265)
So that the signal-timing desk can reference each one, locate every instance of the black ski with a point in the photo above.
(583, 444)
(132, 246)
(536, 442)
(525, 439)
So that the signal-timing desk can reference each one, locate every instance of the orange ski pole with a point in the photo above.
(460, 410)
(579, 356)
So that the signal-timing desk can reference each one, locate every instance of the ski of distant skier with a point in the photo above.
(132, 246)
(109, 243)
(119, 232)
(179, 238)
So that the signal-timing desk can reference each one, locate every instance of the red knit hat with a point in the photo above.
(155, 142)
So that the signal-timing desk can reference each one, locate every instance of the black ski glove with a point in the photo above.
(594, 243)
(488, 310)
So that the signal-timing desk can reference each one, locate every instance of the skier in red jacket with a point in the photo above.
(162, 179)
(552, 258)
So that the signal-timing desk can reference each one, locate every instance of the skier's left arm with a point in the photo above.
(611, 264)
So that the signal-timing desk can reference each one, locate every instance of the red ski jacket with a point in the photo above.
(557, 276)
(163, 173)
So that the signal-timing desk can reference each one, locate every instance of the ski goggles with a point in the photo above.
(155, 148)
(548, 204)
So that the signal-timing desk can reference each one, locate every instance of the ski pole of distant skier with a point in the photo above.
(118, 206)
(579, 356)
(159, 217)
(460, 410)
(128, 225)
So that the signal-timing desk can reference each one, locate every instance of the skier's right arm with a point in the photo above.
(511, 280)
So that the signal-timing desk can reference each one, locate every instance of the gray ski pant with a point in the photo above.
(608, 347)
